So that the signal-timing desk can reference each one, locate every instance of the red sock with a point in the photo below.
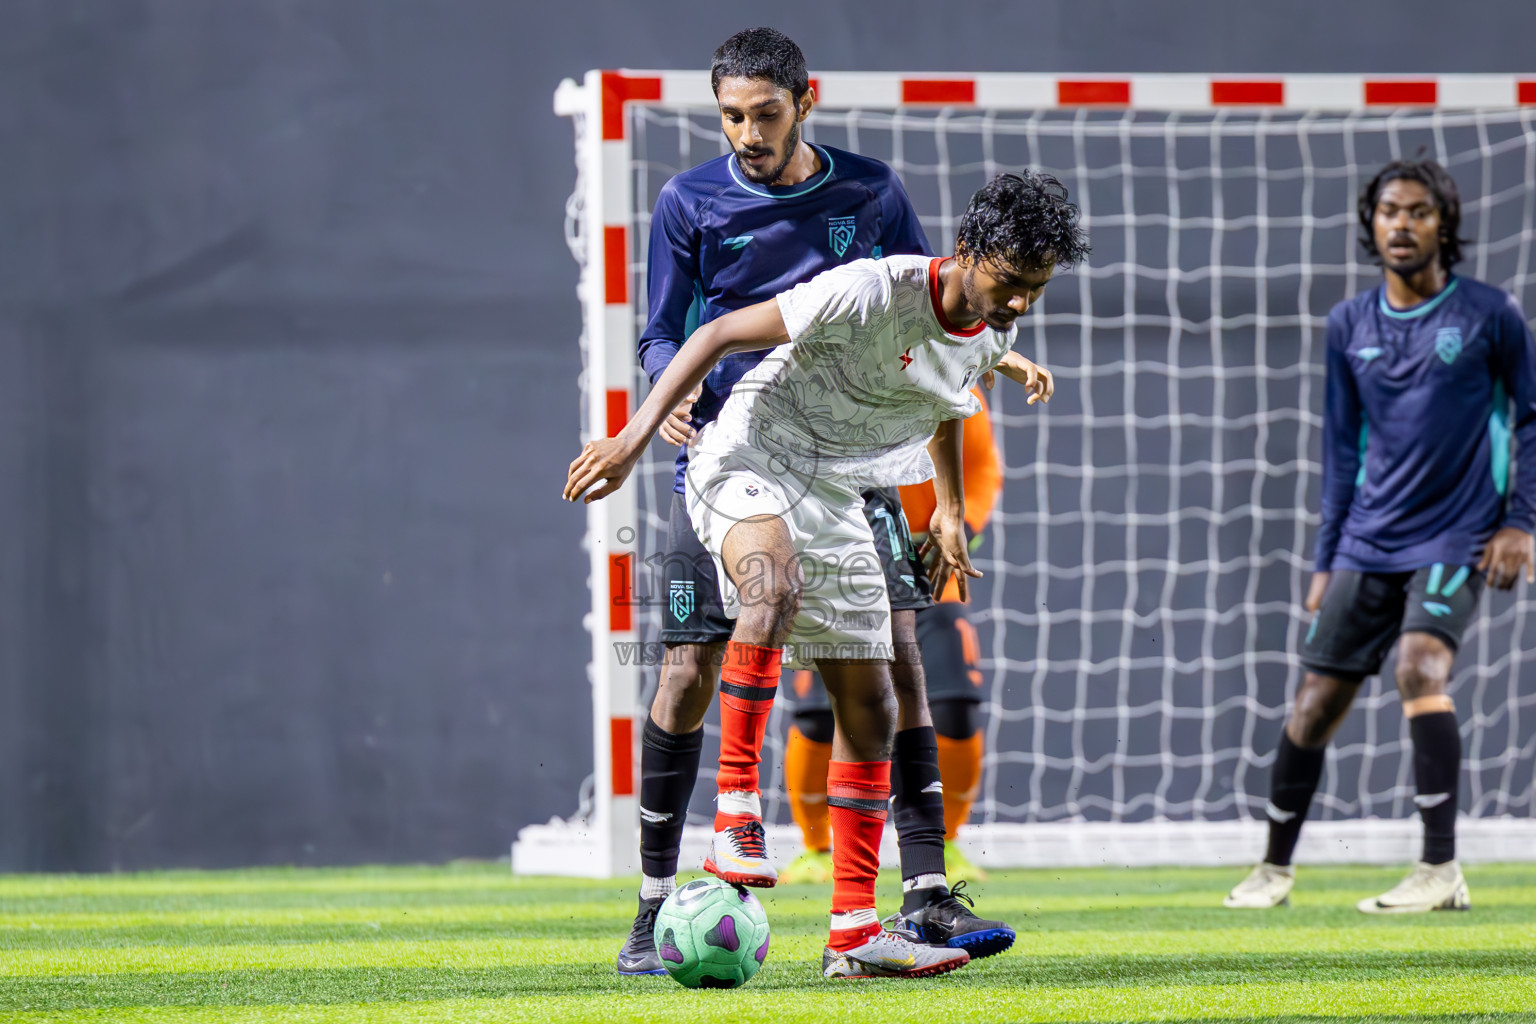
(748, 681)
(858, 800)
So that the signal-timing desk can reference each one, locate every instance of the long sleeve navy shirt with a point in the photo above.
(720, 242)
(1421, 406)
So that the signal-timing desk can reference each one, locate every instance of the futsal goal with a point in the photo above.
(1147, 562)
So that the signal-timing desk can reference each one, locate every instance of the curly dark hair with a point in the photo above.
(761, 53)
(1023, 221)
(1440, 184)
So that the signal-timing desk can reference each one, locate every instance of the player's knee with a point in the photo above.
(771, 607)
(1423, 665)
(908, 656)
(907, 679)
(869, 711)
(1320, 705)
(686, 689)
(786, 605)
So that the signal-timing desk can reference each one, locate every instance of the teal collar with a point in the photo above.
(1422, 309)
(807, 186)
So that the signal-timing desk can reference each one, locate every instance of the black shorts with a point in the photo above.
(1364, 613)
(905, 579)
(692, 612)
(951, 661)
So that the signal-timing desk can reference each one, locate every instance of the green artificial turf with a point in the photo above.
(472, 943)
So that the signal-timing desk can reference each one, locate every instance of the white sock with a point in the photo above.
(739, 801)
(923, 882)
(652, 888)
(854, 919)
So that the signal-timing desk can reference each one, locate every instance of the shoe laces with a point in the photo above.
(898, 925)
(750, 839)
(901, 939)
(957, 904)
(645, 921)
(957, 893)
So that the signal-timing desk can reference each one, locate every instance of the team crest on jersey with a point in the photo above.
(970, 375)
(750, 490)
(1448, 344)
(840, 233)
(681, 593)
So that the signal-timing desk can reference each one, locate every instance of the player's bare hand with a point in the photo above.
(606, 462)
(951, 556)
(1506, 555)
(1037, 381)
(988, 379)
(1316, 591)
(677, 429)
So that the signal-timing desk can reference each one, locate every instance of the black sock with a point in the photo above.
(1297, 771)
(1436, 768)
(919, 808)
(669, 766)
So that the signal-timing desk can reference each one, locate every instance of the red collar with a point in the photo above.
(938, 308)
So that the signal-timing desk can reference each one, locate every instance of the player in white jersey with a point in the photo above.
(872, 369)
(869, 379)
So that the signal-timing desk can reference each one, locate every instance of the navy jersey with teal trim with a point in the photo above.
(721, 243)
(1421, 405)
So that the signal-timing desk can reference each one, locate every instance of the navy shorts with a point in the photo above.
(1363, 614)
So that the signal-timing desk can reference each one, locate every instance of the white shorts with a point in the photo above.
(845, 612)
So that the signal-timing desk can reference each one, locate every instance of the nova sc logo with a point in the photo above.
(1448, 344)
(680, 593)
(840, 232)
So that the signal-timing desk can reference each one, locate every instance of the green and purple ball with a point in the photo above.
(712, 934)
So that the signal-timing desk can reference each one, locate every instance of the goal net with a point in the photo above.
(1151, 548)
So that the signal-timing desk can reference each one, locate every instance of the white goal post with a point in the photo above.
(1148, 559)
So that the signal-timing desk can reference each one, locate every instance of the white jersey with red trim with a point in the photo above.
(871, 369)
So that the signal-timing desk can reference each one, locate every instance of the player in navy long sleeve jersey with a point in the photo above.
(1429, 375)
(727, 234)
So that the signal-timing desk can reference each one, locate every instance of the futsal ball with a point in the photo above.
(712, 934)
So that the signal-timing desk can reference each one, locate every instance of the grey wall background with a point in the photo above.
(287, 383)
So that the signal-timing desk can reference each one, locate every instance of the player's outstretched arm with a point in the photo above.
(607, 462)
(1036, 380)
(946, 530)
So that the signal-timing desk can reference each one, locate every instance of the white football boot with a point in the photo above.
(739, 855)
(891, 955)
(1427, 887)
(1268, 885)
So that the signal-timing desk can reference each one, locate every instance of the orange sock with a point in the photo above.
(748, 681)
(960, 771)
(805, 778)
(858, 800)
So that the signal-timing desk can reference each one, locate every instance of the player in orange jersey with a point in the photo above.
(951, 655)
